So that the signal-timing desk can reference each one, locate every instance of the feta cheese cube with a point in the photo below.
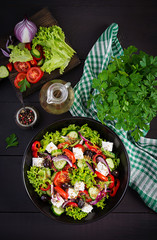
(50, 147)
(79, 186)
(101, 168)
(87, 208)
(78, 153)
(107, 146)
(72, 193)
(57, 200)
(37, 162)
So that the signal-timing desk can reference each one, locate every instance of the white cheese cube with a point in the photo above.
(87, 208)
(50, 147)
(57, 200)
(78, 153)
(101, 168)
(107, 146)
(72, 193)
(79, 186)
(37, 162)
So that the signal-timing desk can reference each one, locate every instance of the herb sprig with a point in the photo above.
(24, 84)
(127, 91)
(12, 141)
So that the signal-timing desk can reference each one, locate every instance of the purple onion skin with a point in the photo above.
(86, 140)
(90, 167)
(62, 157)
(100, 196)
(6, 54)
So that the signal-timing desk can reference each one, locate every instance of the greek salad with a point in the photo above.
(74, 170)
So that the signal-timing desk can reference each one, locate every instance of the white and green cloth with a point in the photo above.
(142, 154)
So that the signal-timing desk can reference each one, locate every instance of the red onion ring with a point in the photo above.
(101, 159)
(90, 167)
(86, 140)
(62, 157)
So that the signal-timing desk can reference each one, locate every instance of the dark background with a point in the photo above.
(83, 21)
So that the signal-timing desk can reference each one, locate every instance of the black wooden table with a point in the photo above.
(83, 21)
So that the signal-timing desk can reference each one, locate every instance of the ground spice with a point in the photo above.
(26, 116)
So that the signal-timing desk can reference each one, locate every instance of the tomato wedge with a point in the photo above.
(101, 176)
(20, 76)
(10, 67)
(34, 74)
(70, 155)
(22, 66)
(28, 46)
(61, 145)
(61, 177)
(33, 62)
(61, 192)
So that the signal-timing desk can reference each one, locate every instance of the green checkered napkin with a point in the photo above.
(142, 154)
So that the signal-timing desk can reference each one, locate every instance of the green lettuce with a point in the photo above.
(75, 212)
(56, 51)
(19, 55)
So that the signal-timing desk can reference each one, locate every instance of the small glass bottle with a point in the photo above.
(56, 96)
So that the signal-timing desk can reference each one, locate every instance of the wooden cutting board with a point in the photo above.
(45, 19)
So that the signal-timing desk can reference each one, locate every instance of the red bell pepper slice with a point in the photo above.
(61, 192)
(95, 148)
(72, 204)
(80, 146)
(35, 154)
(101, 176)
(115, 188)
(45, 189)
(10, 66)
(111, 178)
(35, 146)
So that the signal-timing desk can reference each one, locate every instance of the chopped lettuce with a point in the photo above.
(75, 212)
(56, 51)
(19, 54)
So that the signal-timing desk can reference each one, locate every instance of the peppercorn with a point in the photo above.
(26, 116)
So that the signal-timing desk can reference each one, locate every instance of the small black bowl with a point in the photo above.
(124, 169)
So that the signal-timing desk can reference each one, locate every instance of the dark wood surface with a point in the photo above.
(83, 21)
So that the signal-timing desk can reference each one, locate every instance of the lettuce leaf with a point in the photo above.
(56, 51)
(75, 212)
(19, 55)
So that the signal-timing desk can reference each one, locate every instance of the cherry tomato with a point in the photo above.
(33, 62)
(80, 146)
(61, 192)
(61, 177)
(10, 66)
(72, 204)
(22, 66)
(34, 74)
(101, 176)
(35, 146)
(28, 46)
(70, 155)
(20, 76)
(61, 145)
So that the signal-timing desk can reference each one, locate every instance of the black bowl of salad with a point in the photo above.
(76, 170)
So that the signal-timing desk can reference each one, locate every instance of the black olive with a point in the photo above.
(47, 163)
(70, 148)
(89, 153)
(66, 185)
(44, 198)
(115, 173)
(80, 202)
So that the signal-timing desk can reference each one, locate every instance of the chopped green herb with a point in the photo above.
(11, 141)
(23, 85)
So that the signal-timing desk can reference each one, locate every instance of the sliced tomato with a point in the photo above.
(61, 177)
(61, 145)
(85, 194)
(70, 155)
(101, 176)
(22, 66)
(19, 78)
(33, 62)
(34, 74)
(72, 204)
(61, 192)
(28, 46)
(80, 146)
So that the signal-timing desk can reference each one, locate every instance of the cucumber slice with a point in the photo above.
(41, 62)
(75, 143)
(4, 72)
(35, 53)
(110, 163)
(57, 211)
(93, 192)
(81, 163)
(53, 176)
(108, 154)
(73, 135)
(60, 164)
(48, 172)
(56, 152)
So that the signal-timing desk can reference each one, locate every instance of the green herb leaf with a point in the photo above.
(11, 141)
(23, 85)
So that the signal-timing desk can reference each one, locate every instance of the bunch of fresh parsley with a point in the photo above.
(127, 91)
